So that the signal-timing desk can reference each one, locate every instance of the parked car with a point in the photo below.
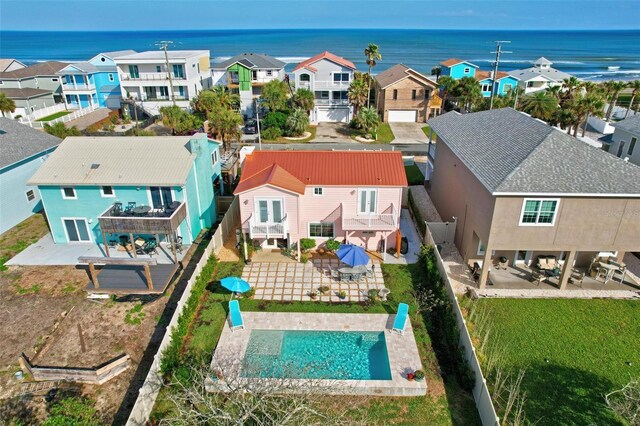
(250, 127)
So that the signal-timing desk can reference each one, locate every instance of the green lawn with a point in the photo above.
(446, 403)
(310, 129)
(385, 135)
(426, 130)
(54, 116)
(414, 175)
(574, 352)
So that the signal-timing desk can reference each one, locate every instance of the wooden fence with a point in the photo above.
(94, 376)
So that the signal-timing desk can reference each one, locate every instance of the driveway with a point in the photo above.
(332, 132)
(408, 133)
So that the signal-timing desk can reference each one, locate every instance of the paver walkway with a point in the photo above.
(295, 281)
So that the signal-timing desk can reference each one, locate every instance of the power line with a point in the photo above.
(164, 45)
(494, 77)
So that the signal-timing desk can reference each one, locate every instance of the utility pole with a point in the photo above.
(494, 77)
(258, 125)
(164, 45)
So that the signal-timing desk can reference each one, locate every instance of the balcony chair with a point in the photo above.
(130, 206)
(117, 209)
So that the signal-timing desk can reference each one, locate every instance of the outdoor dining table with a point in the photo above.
(611, 269)
(352, 272)
(141, 210)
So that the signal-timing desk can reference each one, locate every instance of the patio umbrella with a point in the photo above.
(235, 284)
(352, 255)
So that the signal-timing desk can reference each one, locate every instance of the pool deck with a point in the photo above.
(402, 350)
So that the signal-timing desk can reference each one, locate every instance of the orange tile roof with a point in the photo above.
(481, 75)
(294, 170)
(325, 55)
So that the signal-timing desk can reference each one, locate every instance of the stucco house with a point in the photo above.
(405, 95)
(328, 76)
(625, 138)
(352, 196)
(540, 76)
(22, 151)
(457, 68)
(519, 188)
(90, 187)
(245, 74)
(33, 88)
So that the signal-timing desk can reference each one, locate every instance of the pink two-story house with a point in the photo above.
(352, 196)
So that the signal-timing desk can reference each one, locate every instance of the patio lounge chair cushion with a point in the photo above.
(235, 315)
(401, 318)
(547, 262)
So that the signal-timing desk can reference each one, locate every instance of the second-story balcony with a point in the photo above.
(385, 221)
(331, 85)
(70, 87)
(142, 219)
(151, 76)
(275, 229)
(322, 102)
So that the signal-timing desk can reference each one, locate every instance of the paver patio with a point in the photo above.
(295, 281)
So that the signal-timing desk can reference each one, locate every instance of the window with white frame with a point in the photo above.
(317, 191)
(539, 211)
(486, 87)
(482, 249)
(111, 78)
(107, 191)
(530, 83)
(467, 70)
(30, 195)
(54, 80)
(367, 201)
(269, 73)
(341, 77)
(321, 229)
(214, 157)
(632, 145)
(69, 193)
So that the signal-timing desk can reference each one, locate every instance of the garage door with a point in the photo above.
(340, 115)
(405, 116)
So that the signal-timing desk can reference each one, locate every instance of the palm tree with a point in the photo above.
(565, 118)
(616, 88)
(436, 71)
(447, 87)
(6, 104)
(209, 100)
(635, 86)
(540, 105)
(592, 104)
(226, 124)
(357, 93)
(274, 95)
(304, 99)
(570, 85)
(369, 121)
(372, 53)
(60, 130)
(297, 122)
(468, 91)
(554, 91)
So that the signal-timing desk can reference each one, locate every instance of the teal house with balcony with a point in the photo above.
(98, 190)
(457, 68)
(505, 83)
(93, 83)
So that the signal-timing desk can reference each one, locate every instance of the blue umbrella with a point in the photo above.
(352, 255)
(235, 284)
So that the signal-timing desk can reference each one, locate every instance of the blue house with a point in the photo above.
(94, 82)
(22, 151)
(102, 189)
(505, 82)
(456, 68)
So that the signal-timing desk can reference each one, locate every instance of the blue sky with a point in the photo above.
(224, 14)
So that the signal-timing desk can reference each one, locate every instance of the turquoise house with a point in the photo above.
(94, 82)
(456, 68)
(99, 189)
(505, 83)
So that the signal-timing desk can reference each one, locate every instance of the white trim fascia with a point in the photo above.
(562, 195)
(195, 176)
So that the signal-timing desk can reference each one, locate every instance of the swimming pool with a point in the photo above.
(354, 355)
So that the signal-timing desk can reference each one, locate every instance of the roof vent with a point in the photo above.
(94, 166)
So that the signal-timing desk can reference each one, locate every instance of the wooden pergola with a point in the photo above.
(91, 261)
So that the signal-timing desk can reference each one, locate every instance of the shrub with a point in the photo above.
(418, 374)
(342, 294)
(324, 289)
(271, 133)
(332, 244)
(275, 119)
(307, 244)
(249, 294)
(72, 411)
(297, 122)
(304, 258)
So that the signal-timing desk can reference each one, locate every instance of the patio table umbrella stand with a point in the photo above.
(352, 255)
(235, 284)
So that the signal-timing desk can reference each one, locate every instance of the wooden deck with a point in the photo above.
(130, 279)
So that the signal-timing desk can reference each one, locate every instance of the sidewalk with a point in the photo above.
(87, 120)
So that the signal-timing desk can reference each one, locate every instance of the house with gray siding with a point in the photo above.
(22, 152)
(624, 139)
(33, 88)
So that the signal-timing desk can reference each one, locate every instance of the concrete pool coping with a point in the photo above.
(402, 351)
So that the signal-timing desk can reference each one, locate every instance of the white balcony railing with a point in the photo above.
(77, 87)
(153, 76)
(331, 85)
(331, 101)
(370, 221)
(269, 229)
(304, 85)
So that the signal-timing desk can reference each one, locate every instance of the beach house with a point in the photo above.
(245, 74)
(22, 151)
(156, 78)
(93, 83)
(405, 95)
(98, 189)
(540, 76)
(457, 68)
(352, 196)
(625, 138)
(10, 64)
(32, 88)
(519, 189)
(499, 86)
(328, 76)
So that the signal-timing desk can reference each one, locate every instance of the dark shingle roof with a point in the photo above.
(629, 124)
(19, 141)
(252, 60)
(510, 152)
(43, 68)
(26, 93)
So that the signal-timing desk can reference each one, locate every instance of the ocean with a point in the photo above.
(585, 54)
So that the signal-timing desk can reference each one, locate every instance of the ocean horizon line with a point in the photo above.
(545, 30)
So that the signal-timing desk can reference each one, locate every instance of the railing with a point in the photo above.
(153, 222)
(304, 85)
(39, 113)
(373, 221)
(335, 85)
(71, 87)
(268, 230)
(331, 101)
(64, 119)
(152, 76)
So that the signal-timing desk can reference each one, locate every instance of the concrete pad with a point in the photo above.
(408, 133)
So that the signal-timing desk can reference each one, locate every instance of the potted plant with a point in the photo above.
(410, 377)
(342, 294)
(324, 289)
(313, 294)
(332, 245)
(418, 375)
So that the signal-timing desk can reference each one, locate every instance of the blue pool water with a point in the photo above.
(341, 355)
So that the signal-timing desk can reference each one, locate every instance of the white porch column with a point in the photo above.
(567, 268)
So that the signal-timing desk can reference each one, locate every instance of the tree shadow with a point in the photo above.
(563, 395)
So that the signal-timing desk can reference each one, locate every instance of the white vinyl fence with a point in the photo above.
(153, 383)
(29, 121)
(481, 394)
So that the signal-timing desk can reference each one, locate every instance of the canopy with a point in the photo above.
(235, 284)
(352, 255)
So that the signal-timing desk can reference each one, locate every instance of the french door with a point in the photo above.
(77, 230)
(367, 201)
(269, 211)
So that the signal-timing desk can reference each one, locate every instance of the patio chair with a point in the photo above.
(151, 247)
(537, 278)
(577, 278)
(177, 245)
(335, 275)
(401, 319)
(235, 316)
(130, 206)
(117, 209)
